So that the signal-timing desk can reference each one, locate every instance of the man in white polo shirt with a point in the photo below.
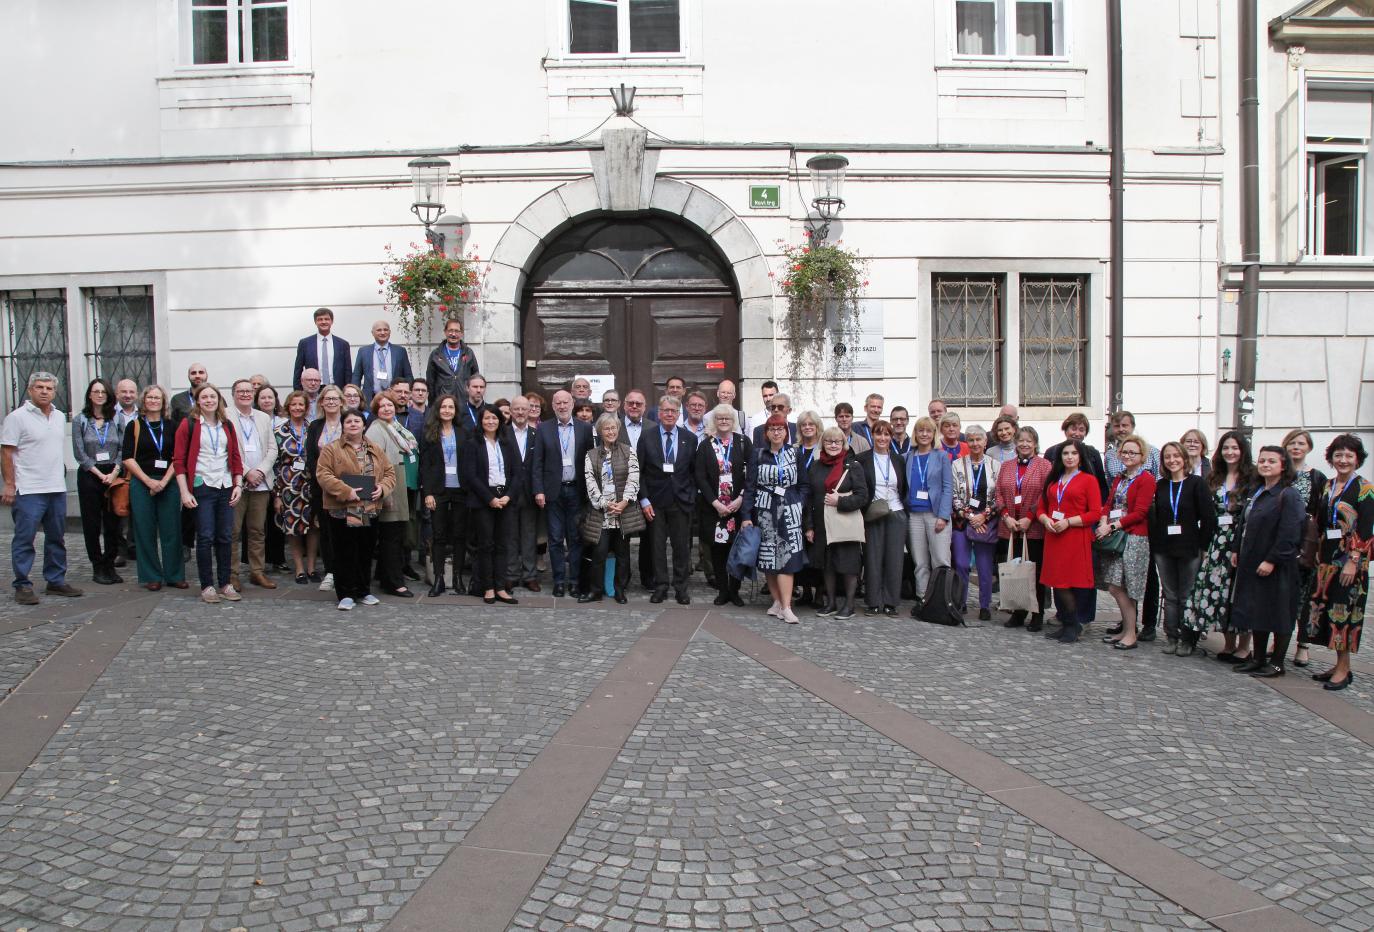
(32, 451)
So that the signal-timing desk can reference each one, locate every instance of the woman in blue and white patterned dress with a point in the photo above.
(774, 493)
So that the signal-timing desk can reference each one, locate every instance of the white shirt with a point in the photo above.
(253, 445)
(40, 465)
(381, 366)
(885, 483)
(496, 463)
(122, 417)
(212, 464)
(632, 432)
(756, 420)
(522, 440)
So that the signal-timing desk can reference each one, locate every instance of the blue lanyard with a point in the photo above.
(247, 429)
(300, 438)
(885, 465)
(383, 353)
(564, 439)
(157, 437)
(449, 442)
(453, 358)
(922, 462)
(1124, 488)
(216, 433)
(810, 455)
(500, 459)
(1021, 470)
(724, 457)
(102, 434)
(1063, 487)
(606, 469)
(1175, 495)
(977, 477)
(1336, 501)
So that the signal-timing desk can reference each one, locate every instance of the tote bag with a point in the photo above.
(1016, 580)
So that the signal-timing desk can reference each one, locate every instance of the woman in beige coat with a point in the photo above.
(355, 478)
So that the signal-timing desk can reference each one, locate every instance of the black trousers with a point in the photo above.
(97, 519)
(673, 523)
(611, 540)
(391, 537)
(490, 533)
(449, 526)
(353, 548)
(726, 584)
(646, 559)
(1149, 606)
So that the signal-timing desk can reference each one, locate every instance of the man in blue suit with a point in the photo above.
(778, 404)
(668, 494)
(322, 351)
(560, 450)
(381, 363)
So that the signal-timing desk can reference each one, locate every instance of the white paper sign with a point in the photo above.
(601, 384)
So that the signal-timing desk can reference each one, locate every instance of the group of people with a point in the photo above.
(364, 472)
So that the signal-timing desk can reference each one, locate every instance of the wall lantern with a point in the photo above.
(827, 178)
(430, 177)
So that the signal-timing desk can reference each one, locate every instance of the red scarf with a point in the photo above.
(836, 474)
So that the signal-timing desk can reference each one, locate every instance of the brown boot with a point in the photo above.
(260, 579)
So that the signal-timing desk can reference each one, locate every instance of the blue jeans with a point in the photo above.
(49, 510)
(564, 510)
(214, 533)
(983, 555)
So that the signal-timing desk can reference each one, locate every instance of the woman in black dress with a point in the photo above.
(719, 467)
(1182, 523)
(838, 486)
(1265, 598)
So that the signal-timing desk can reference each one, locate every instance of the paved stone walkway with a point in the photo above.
(277, 764)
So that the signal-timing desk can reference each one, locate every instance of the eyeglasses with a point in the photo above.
(777, 427)
(1130, 453)
(777, 407)
(634, 404)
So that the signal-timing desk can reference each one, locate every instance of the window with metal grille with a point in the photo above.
(1054, 340)
(966, 316)
(122, 334)
(36, 322)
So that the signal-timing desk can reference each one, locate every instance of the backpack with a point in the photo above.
(941, 605)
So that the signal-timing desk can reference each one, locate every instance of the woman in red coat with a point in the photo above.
(1072, 503)
(1020, 484)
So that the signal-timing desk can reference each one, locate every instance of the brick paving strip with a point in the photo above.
(482, 883)
(1198, 889)
(37, 708)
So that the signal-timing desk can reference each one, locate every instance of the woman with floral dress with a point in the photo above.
(292, 486)
(1347, 541)
(1311, 485)
(774, 493)
(1230, 481)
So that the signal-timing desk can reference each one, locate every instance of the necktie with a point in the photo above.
(326, 371)
(667, 446)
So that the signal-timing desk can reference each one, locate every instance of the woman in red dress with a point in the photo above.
(1072, 503)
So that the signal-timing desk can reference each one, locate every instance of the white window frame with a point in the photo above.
(236, 38)
(1006, 35)
(564, 8)
(1310, 213)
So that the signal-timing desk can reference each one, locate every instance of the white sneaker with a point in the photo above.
(208, 594)
(327, 584)
(345, 605)
(370, 599)
(775, 609)
(789, 617)
(230, 594)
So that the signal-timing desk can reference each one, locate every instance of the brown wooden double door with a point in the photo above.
(641, 339)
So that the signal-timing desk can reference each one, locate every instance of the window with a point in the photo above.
(1339, 119)
(1009, 28)
(236, 32)
(37, 325)
(624, 27)
(122, 333)
(967, 317)
(1054, 330)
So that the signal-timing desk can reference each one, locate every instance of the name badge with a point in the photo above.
(250, 447)
(1333, 533)
(298, 465)
(1226, 521)
(1016, 500)
(103, 456)
(667, 467)
(974, 503)
(922, 496)
(567, 459)
(382, 375)
(1117, 513)
(779, 490)
(1175, 529)
(410, 457)
(162, 464)
(1057, 515)
(450, 470)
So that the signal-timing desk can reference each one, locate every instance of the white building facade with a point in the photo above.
(189, 179)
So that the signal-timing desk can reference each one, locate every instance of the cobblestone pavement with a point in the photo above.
(269, 766)
(1214, 764)
(742, 802)
(23, 650)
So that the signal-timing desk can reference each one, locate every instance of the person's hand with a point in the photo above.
(8, 495)
(1349, 572)
(154, 485)
(1010, 522)
(376, 492)
(1102, 530)
(1060, 526)
(833, 499)
(648, 512)
(1023, 525)
(105, 477)
(255, 477)
(279, 505)
(940, 524)
(1264, 569)
(736, 505)
(505, 500)
(234, 495)
(977, 521)
(429, 502)
(721, 508)
(494, 503)
(1234, 561)
(538, 500)
(188, 500)
(810, 537)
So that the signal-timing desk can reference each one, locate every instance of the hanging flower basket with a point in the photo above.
(822, 284)
(424, 286)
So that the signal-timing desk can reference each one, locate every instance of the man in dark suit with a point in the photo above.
(778, 404)
(324, 352)
(450, 365)
(182, 402)
(634, 421)
(524, 529)
(560, 449)
(667, 493)
(381, 363)
(471, 403)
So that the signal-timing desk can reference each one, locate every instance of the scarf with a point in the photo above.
(836, 474)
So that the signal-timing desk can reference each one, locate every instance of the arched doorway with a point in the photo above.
(640, 299)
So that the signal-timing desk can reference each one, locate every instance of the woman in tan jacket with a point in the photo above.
(355, 479)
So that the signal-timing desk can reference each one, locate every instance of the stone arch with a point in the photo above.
(548, 215)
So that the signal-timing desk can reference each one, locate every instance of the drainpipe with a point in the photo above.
(1116, 267)
(1248, 318)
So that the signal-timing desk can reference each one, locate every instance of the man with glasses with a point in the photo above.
(610, 402)
(899, 418)
(451, 364)
(560, 449)
(632, 426)
(778, 403)
(668, 497)
(726, 393)
(311, 384)
(258, 451)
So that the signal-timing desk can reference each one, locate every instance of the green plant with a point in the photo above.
(822, 283)
(423, 283)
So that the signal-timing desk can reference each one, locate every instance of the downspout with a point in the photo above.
(1116, 261)
(1248, 317)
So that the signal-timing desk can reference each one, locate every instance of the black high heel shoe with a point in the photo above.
(1334, 687)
